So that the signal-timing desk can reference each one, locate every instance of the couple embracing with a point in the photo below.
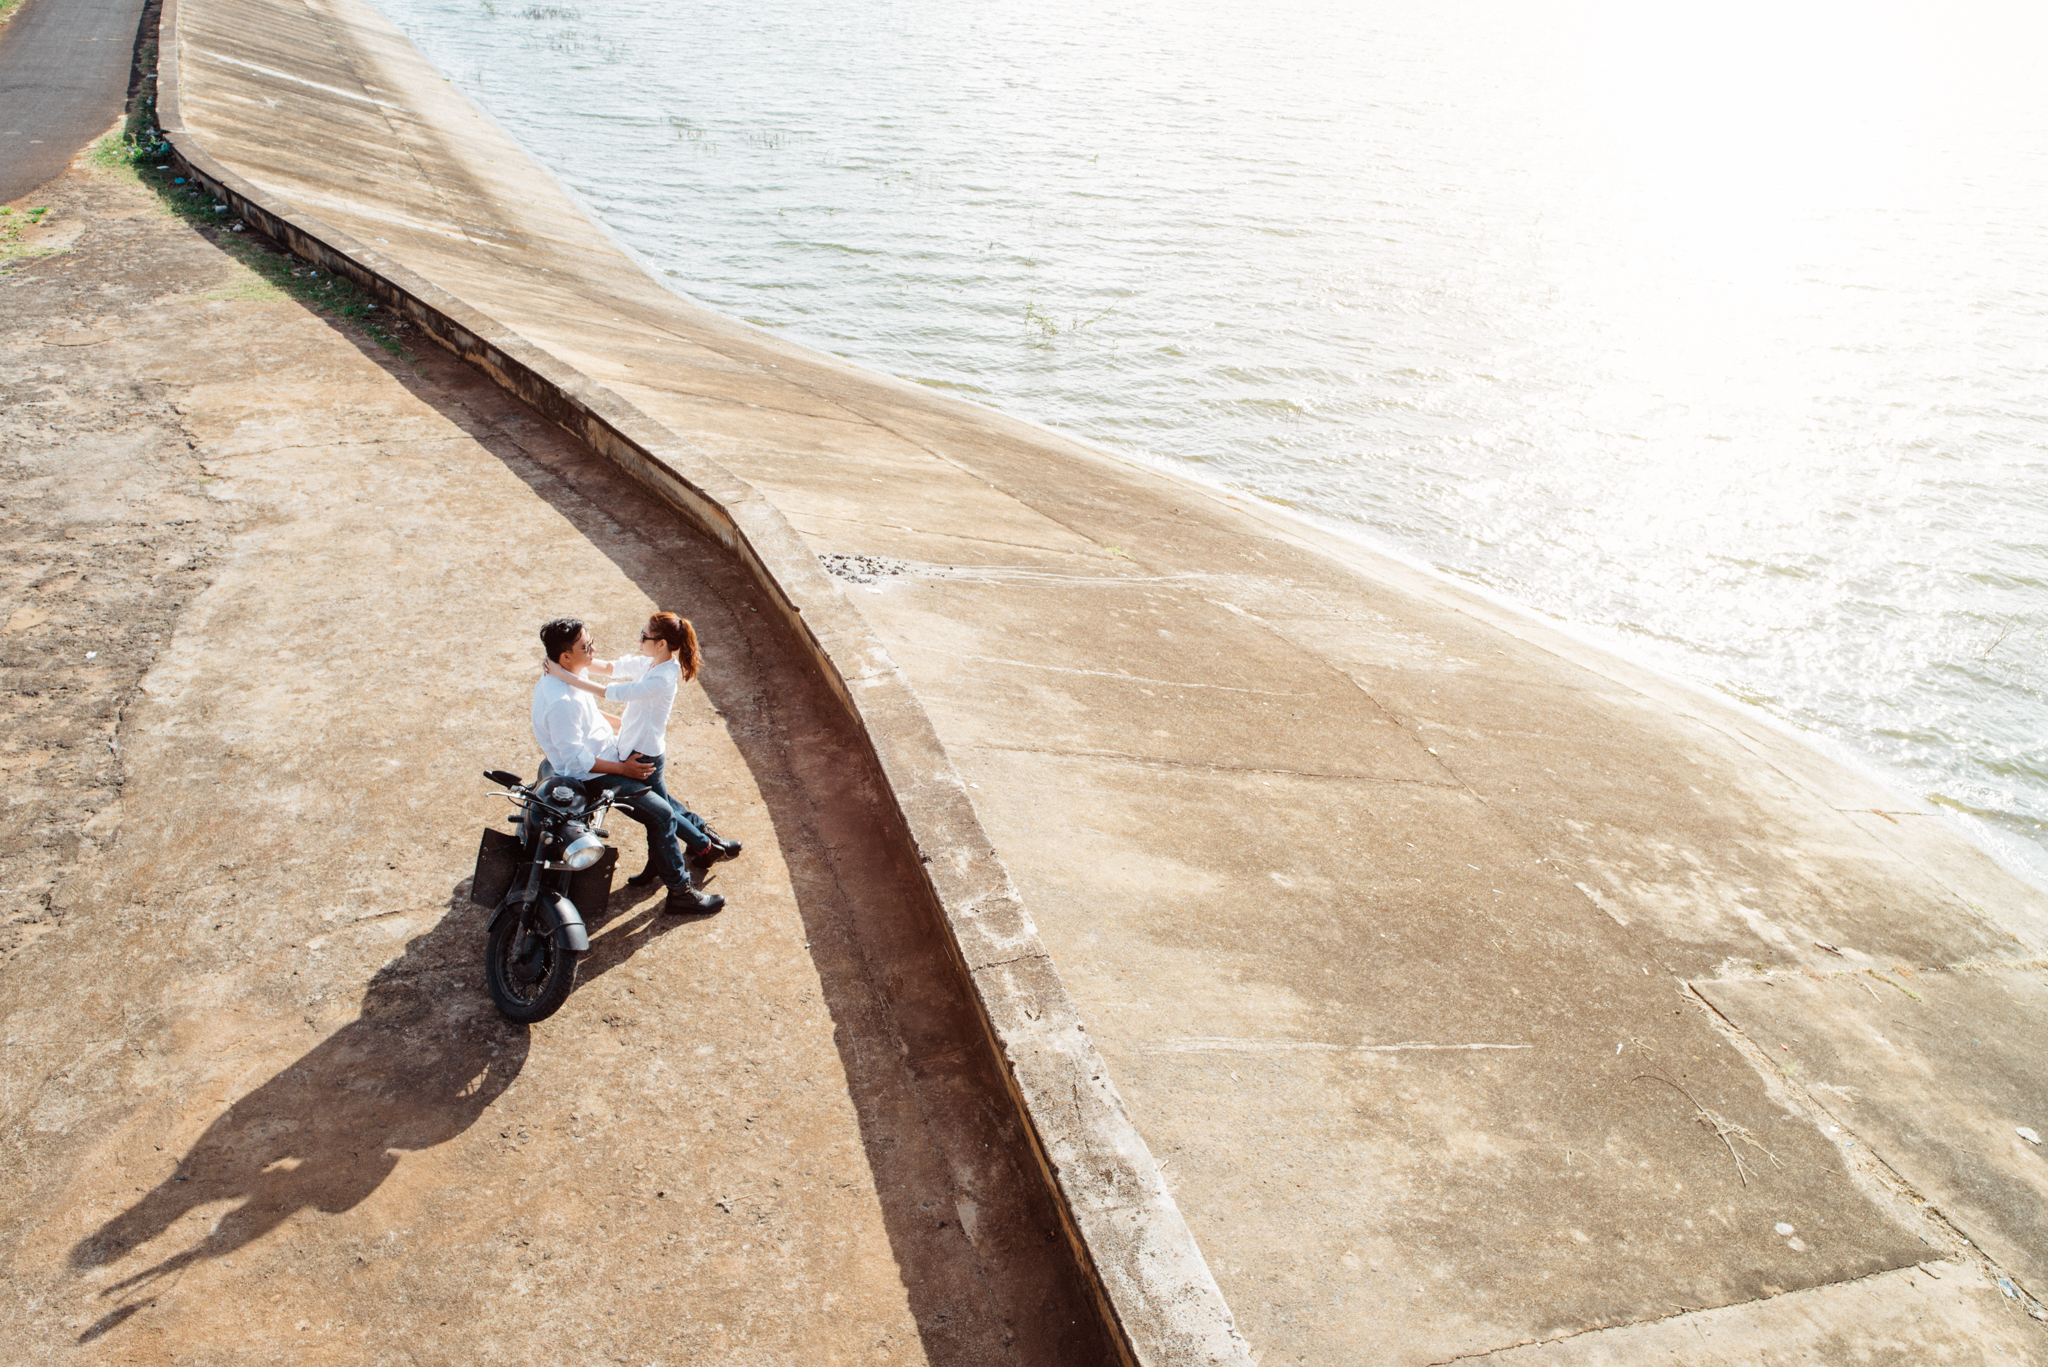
(626, 755)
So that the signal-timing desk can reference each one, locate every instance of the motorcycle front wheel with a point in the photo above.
(528, 973)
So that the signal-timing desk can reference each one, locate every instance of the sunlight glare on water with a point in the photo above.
(1717, 331)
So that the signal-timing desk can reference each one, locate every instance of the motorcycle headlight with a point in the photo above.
(583, 851)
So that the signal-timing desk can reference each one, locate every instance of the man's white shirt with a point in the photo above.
(572, 733)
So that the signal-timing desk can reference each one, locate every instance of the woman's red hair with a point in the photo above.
(681, 637)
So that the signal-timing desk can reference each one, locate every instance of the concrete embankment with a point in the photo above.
(1470, 987)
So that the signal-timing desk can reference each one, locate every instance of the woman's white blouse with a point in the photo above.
(649, 692)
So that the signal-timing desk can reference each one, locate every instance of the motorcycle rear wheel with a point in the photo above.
(529, 974)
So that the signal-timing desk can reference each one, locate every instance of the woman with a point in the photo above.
(646, 683)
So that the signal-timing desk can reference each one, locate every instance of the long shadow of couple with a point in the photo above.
(423, 1061)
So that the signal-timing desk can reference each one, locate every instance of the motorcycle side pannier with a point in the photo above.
(497, 864)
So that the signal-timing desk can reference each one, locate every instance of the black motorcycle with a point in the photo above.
(544, 885)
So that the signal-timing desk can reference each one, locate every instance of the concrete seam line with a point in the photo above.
(1154, 1287)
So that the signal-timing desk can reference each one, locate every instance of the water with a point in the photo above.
(1719, 332)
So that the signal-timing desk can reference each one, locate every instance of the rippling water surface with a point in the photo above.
(1720, 332)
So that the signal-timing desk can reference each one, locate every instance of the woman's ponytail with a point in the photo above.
(681, 637)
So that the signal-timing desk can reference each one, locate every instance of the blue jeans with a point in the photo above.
(649, 805)
(691, 829)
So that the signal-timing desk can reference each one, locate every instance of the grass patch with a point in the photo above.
(245, 291)
(137, 141)
(8, 9)
(138, 151)
(15, 222)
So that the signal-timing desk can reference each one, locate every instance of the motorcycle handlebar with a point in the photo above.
(533, 798)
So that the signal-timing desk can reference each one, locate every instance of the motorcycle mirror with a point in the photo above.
(503, 779)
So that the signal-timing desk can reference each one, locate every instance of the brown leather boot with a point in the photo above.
(684, 900)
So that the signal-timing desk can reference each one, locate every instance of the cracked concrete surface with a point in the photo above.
(1937, 1313)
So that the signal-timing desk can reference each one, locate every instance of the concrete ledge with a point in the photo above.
(1155, 1289)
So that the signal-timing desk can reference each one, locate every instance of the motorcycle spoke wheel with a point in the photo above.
(528, 973)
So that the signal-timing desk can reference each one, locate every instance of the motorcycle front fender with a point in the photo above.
(512, 901)
(559, 915)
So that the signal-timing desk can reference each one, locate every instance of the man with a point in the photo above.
(579, 743)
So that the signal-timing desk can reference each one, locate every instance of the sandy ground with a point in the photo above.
(269, 607)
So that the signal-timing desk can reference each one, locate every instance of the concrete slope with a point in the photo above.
(332, 105)
(1383, 905)
(64, 68)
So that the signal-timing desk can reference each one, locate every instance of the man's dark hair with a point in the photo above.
(558, 635)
